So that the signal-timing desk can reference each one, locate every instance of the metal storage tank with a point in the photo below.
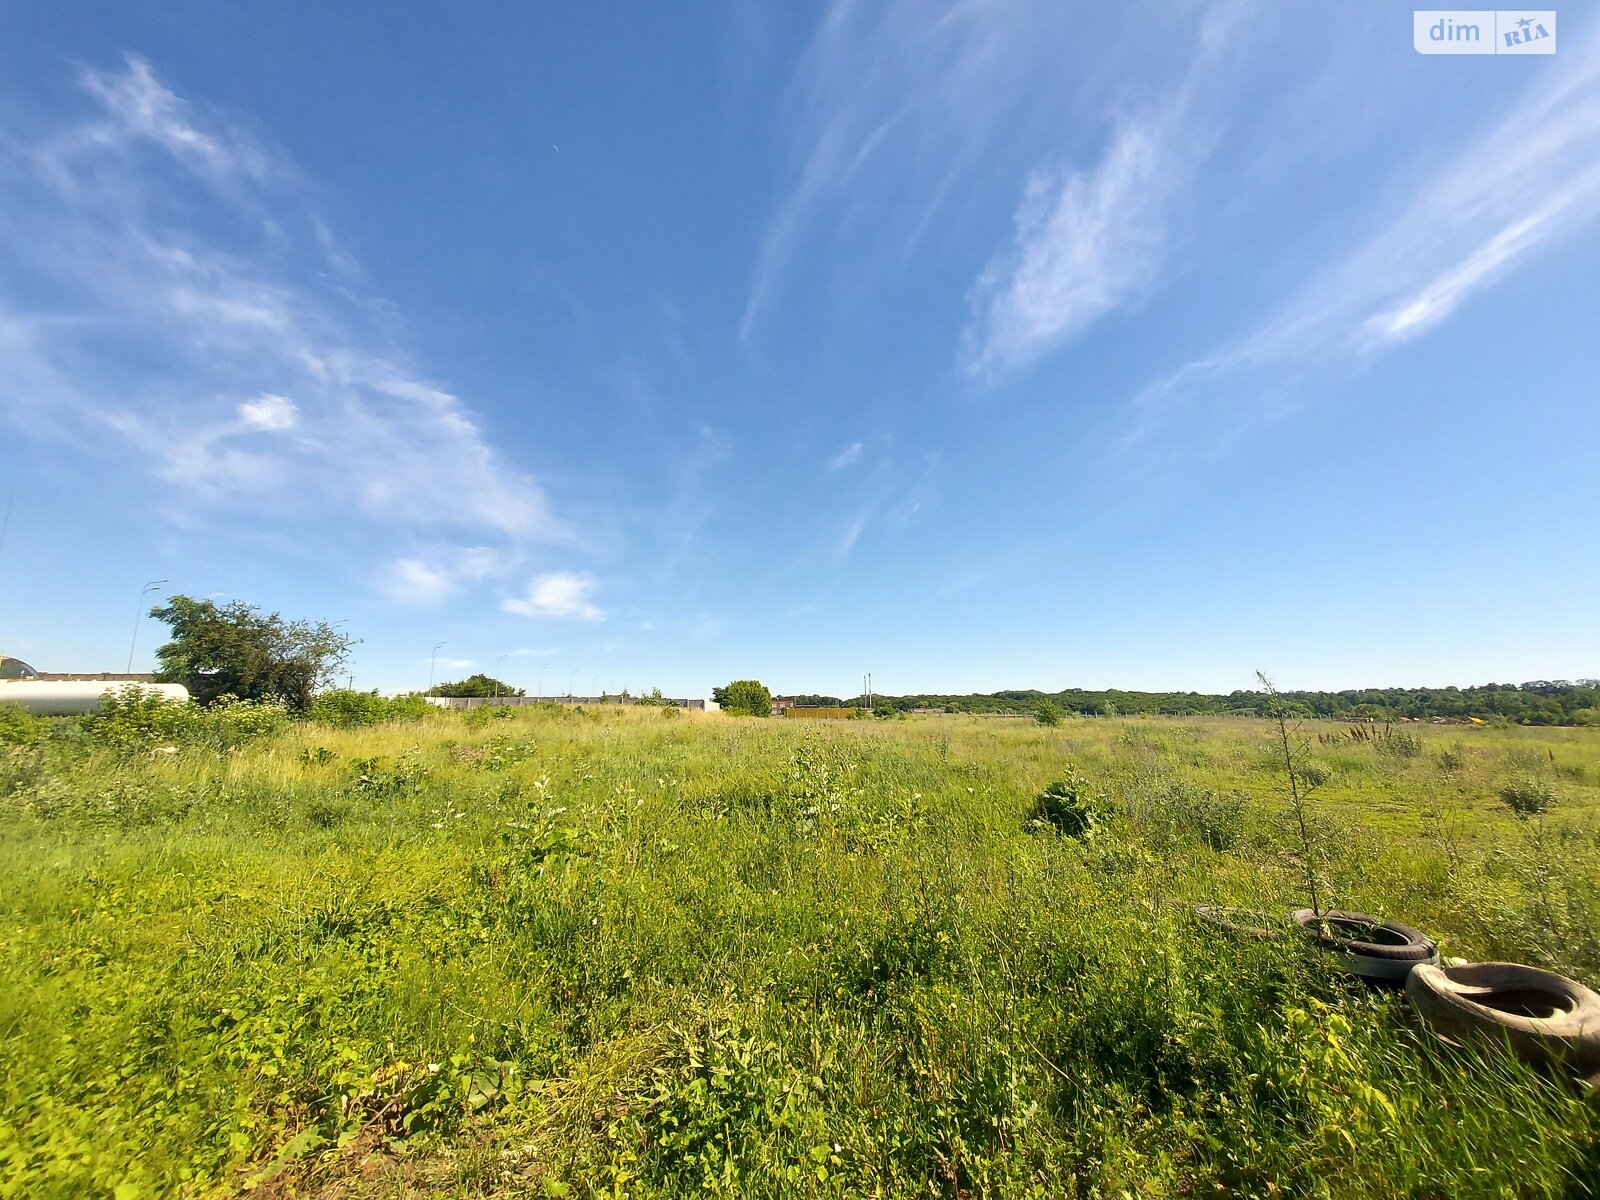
(75, 697)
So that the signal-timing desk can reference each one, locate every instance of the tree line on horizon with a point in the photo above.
(236, 650)
(1540, 702)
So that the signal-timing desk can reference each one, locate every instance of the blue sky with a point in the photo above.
(976, 346)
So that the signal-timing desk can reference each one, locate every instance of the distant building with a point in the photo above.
(781, 704)
(821, 712)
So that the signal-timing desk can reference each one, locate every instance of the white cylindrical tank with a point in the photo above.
(74, 697)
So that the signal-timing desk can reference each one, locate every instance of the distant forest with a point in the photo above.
(1552, 702)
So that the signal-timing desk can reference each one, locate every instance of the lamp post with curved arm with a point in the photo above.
(432, 660)
(138, 616)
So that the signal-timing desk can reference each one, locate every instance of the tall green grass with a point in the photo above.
(638, 954)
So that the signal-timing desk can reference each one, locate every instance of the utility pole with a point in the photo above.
(138, 614)
(432, 660)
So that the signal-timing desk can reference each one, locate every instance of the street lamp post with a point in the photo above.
(497, 663)
(432, 659)
(542, 670)
(572, 677)
(138, 615)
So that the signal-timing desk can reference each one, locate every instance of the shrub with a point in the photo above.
(346, 708)
(1069, 805)
(18, 727)
(1398, 743)
(1313, 773)
(132, 717)
(1181, 810)
(1527, 796)
(480, 716)
(399, 776)
(748, 696)
(1047, 712)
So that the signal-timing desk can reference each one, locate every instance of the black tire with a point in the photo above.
(1367, 946)
(1541, 1016)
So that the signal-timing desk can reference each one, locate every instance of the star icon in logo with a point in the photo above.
(1524, 23)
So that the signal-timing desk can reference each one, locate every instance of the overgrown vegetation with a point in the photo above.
(558, 952)
(346, 708)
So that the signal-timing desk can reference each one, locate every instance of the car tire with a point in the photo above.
(1542, 1016)
(1384, 951)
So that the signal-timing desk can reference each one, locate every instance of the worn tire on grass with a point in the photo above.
(1541, 1016)
(1241, 922)
(1375, 949)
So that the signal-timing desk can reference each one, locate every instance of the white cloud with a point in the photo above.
(1087, 242)
(268, 412)
(845, 457)
(561, 594)
(412, 581)
(450, 664)
(209, 284)
(426, 582)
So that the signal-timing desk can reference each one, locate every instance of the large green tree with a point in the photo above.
(749, 696)
(476, 685)
(237, 650)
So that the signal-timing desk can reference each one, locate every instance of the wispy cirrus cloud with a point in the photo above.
(845, 457)
(1090, 240)
(1519, 186)
(893, 107)
(906, 114)
(137, 104)
(1087, 241)
(889, 502)
(260, 385)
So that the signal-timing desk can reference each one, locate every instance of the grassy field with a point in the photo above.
(638, 953)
